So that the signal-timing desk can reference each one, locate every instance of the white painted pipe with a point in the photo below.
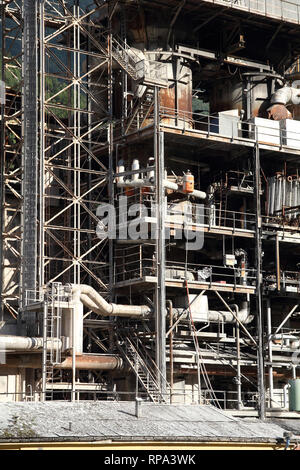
(23, 343)
(215, 316)
(243, 315)
(135, 166)
(286, 95)
(197, 194)
(138, 183)
(151, 163)
(120, 169)
(95, 302)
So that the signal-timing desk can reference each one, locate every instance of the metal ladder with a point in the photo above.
(144, 374)
(52, 353)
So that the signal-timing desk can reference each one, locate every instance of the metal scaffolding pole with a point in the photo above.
(11, 155)
(2, 166)
(73, 177)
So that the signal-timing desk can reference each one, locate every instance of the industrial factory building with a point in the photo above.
(150, 204)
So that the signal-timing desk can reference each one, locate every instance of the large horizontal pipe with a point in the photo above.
(95, 302)
(145, 184)
(24, 343)
(167, 185)
(216, 316)
(87, 362)
(82, 362)
(286, 95)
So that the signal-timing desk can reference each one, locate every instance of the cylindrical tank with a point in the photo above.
(251, 94)
(177, 98)
(176, 101)
(294, 395)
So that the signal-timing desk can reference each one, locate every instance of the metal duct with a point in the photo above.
(286, 95)
(216, 316)
(95, 302)
(242, 313)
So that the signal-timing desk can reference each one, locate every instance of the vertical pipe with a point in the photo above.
(258, 263)
(238, 377)
(271, 381)
(73, 357)
(278, 276)
(44, 358)
(160, 297)
(110, 156)
(170, 303)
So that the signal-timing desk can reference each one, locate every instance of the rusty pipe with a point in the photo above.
(83, 362)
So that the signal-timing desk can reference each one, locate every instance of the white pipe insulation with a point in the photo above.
(216, 316)
(149, 181)
(95, 302)
(23, 343)
(242, 313)
(286, 95)
(138, 183)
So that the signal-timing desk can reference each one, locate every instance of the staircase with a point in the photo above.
(126, 58)
(147, 72)
(139, 360)
(141, 110)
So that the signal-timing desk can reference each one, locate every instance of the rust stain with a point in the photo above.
(278, 112)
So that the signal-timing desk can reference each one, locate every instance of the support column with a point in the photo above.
(271, 381)
(160, 297)
(110, 156)
(258, 265)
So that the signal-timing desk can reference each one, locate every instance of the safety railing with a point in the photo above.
(209, 216)
(193, 216)
(197, 273)
(267, 132)
(229, 399)
(153, 72)
(284, 10)
(229, 128)
(32, 297)
(226, 399)
(289, 281)
(126, 57)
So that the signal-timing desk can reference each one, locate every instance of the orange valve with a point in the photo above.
(188, 183)
(129, 191)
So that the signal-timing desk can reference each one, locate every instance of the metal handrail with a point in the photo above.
(268, 8)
